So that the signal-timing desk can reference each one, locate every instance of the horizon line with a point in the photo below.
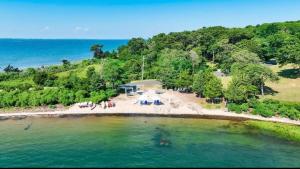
(148, 37)
(17, 38)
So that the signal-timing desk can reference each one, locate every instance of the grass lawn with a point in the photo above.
(287, 88)
(81, 72)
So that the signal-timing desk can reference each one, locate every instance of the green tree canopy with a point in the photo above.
(214, 88)
(98, 52)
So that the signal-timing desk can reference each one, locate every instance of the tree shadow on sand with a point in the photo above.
(290, 73)
(269, 91)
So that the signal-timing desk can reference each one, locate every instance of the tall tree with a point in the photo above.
(112, 73)
(98, 52)
(239, 90)
(213, 89)
(200, 80)
(255, 74)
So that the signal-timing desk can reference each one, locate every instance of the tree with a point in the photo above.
(259, 74)
(112, 72)
(213, 88)
(184, 80)
(137, 46)
(171, 63)
(244, 57)
(254, 74)
(10, 68)
(290, 52)
(200, 80)
(239, 90)
(197, 59)
(66, 63)
(98, 52)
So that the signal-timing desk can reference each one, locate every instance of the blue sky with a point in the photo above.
(122, 19)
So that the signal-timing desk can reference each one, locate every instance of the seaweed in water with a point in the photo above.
(28, 126)
(161, 138)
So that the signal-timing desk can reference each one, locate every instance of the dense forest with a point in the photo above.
(180, 60)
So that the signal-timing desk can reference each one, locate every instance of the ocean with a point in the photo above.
(23, 53)
(140, 142)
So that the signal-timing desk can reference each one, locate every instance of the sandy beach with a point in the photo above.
(174, 104)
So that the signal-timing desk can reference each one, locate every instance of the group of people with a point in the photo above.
(86, 104)
(103, 104)
(107, 104)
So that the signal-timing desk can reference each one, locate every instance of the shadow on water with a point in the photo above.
(162, 137)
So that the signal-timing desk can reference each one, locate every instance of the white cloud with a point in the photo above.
(81, 29)
(46, 28)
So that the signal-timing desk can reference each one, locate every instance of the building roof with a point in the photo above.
(127, 85)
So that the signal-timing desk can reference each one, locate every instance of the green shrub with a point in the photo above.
(238, 108)
(97, 97)
(292, 113)
(245, 107)
(111, 93)
(234, 107)
(263, 110)
(283, 111)
(253, 102)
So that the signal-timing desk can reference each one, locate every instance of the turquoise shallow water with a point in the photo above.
(140, 142)
(36, 52)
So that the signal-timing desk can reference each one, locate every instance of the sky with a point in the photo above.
(124, 19)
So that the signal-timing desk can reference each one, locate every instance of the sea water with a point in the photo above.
(140, 142)
(25, 53)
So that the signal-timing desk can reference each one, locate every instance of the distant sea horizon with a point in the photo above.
(35, 52)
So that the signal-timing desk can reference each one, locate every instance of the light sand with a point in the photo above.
(174, 104)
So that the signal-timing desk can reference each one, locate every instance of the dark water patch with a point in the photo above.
(162, 137)
(4, 118)
(28, 126)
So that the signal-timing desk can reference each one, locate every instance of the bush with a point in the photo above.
(66, 97)
(81, 96)
(263, 110)
(253, 103)
(283, 111)
(238, 108)
(289, 112)
(293, 114)
(97, 97)
(245, 107)
(111, 93)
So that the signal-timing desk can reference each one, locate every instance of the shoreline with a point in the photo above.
(214, 114)
(175, 104)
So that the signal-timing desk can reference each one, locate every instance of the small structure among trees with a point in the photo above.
(128, 88)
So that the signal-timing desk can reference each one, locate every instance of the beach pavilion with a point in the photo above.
(128, 88)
